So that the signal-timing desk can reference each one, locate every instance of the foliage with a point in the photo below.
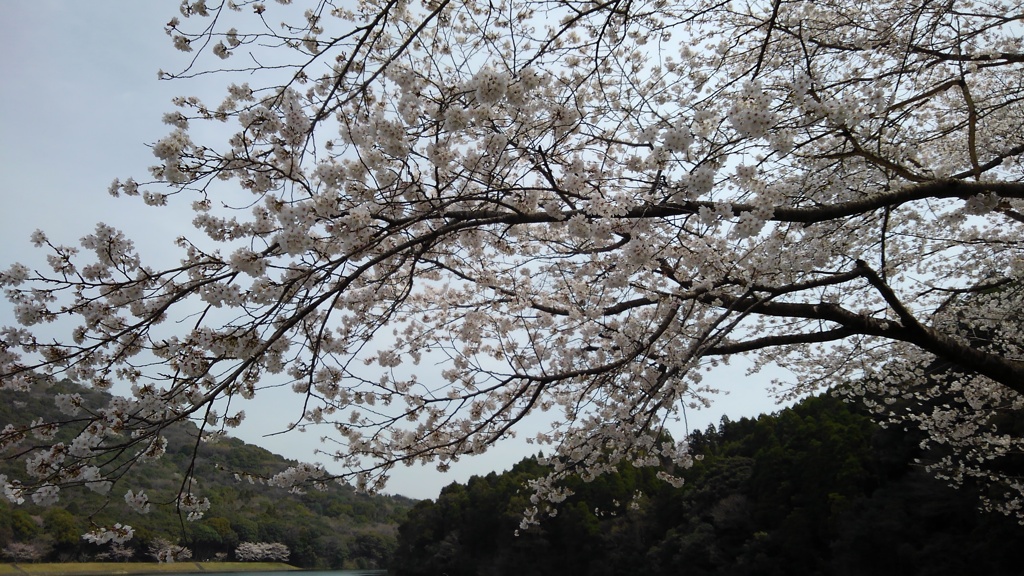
(564, 205)
(815, 489)
(322, 529)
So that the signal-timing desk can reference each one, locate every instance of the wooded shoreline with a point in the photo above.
(104, 568)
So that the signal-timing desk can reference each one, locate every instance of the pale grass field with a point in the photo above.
(102, 568)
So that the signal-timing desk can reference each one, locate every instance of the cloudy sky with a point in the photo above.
(79, 102)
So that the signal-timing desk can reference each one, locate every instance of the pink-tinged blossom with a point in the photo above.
(137, 501)
(69, 404)
(193, 506)
(13, 490)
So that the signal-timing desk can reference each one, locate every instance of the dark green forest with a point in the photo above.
(815, 489)
(336, 528)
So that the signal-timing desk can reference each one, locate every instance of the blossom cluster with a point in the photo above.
(193, 506)
(137, 502)
(752, 114)
(677, 139)
(118, 534)
(295, 477)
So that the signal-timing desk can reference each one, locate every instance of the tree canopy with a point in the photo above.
(572, 206)
(814, 489)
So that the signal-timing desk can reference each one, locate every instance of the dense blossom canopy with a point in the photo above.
(564, 206)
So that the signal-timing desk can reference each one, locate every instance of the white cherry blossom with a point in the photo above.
(433, 225)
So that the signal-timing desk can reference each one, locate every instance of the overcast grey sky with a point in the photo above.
(79, 100)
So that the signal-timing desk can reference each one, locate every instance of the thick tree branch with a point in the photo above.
(742, 346)
(1006, 371)
(938, 189)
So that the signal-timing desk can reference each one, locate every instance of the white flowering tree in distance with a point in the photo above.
(452, 214)
(262, 552)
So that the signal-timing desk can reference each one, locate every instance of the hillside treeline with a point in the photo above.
(815, 489)
(336, 528)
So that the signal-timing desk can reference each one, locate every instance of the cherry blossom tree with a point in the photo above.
(262, 552)
(166, 552)
(25, 551)
(117, 553)
(433, 219)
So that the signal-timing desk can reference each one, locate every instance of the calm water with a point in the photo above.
(309, 573)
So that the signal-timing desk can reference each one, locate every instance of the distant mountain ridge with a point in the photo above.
(336, 528)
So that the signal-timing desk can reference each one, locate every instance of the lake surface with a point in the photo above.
(301, 573)
(304, 573)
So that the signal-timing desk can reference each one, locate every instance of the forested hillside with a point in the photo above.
(334, 528)
(816, 489)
